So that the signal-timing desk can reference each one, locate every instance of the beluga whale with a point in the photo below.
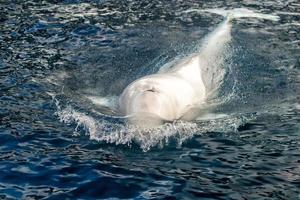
(174, 92)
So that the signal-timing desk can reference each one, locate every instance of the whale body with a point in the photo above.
(169, 95)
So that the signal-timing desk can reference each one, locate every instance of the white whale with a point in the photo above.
(172, 93)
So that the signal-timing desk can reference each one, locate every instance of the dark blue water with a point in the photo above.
(57, 144)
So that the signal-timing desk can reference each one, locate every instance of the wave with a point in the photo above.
(220, 77)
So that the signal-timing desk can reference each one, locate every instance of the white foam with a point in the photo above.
(121, 133)
(210, 116)
(241, 13)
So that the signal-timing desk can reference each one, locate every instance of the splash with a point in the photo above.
(241, 13)
(116, 131)
(108, 101)
(214, 49)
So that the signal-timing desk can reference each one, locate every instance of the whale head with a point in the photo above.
(148, 106)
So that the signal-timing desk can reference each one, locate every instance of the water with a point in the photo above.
(55, 143)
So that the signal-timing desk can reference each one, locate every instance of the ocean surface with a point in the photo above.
(63, 64)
